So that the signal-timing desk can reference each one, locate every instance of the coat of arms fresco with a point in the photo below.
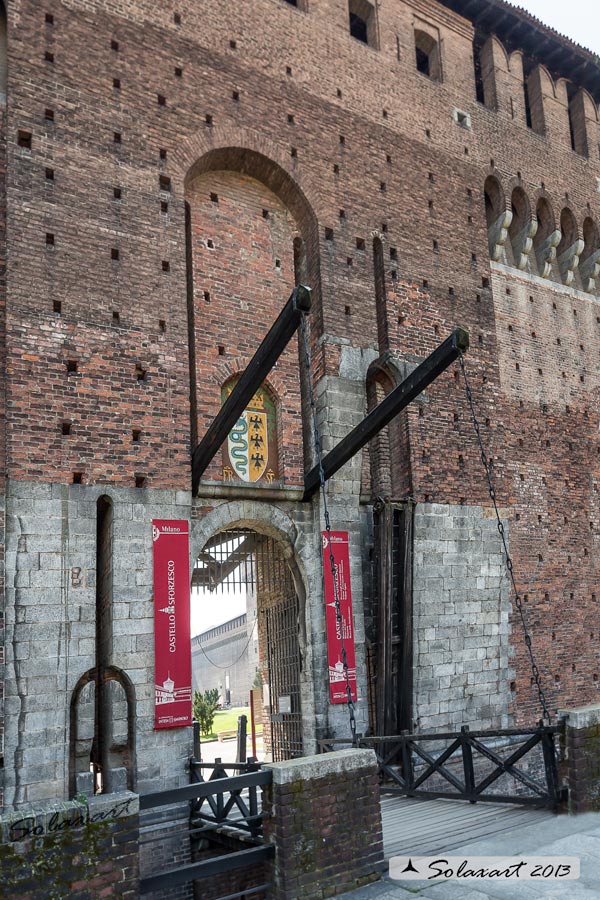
(250, 453)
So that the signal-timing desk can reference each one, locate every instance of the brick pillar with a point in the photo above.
(581, 742)
(325, 824)
(72, 849)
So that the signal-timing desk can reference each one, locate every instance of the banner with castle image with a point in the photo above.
(172, 647)
(341, 630)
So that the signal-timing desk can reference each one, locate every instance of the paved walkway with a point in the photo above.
(550, 835)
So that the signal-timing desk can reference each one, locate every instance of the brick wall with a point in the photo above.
(581, 750)
(72, 850)
(165, 844)
(313, 804)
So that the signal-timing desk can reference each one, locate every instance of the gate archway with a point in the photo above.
(265, 641)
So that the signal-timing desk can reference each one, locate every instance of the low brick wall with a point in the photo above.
(581, 743)
(325, 822)
(164, 845)
(75, 850)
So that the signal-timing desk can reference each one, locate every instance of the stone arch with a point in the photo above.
(522, 228)
(263, 517)
(389, 451)
(244, 165)
(303, 559)
(547, 236)
(498, 216)
(570, 246)
(248, 152)
(589, 265)
(81, 740)
(235, 366)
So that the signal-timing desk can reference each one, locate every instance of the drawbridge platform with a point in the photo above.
(426, 827)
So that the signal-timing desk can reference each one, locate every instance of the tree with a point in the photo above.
(204, 707)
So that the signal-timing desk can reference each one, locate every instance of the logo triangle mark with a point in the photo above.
(410, 867)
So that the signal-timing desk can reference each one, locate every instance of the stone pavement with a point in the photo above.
(561, 835)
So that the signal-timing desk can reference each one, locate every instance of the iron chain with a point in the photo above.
(509, 563)
(336, 595)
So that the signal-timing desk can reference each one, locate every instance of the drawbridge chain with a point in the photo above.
(508, 561)
(334, 576)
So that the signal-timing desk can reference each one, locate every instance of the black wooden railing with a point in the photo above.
(469, 762)
(222, 804)
(237, 807)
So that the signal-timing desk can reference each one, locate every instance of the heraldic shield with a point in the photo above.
(250, 452)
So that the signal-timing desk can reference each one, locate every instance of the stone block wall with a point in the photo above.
(80, 851)
(314, 805)
(461, 608)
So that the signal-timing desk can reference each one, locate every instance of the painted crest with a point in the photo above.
(247, 444)
(250, 452)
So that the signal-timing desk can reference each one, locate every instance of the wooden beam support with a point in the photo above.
(269, 351)
(383, 414)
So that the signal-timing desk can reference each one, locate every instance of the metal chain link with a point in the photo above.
(509, 563)
(336, 596)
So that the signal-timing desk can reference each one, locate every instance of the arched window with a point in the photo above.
(589, 266)
(522, 228)
(570, 247)
(546, 238)
(427, 52)
(362, 22)
(498, 218)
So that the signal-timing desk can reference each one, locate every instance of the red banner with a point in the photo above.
(172, 647)
(341, 557)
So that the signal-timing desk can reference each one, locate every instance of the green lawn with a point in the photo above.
(227, 720)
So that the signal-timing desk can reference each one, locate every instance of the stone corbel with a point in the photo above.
(546, 254)
(497, 234)
(590, 269)
(523, 243)
(569, 260)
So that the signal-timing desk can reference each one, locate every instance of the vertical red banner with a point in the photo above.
(341, 557)
(172, 647)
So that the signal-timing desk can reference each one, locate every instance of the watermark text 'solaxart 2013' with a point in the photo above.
(485, 868)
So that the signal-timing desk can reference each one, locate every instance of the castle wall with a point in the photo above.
(276, 108)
